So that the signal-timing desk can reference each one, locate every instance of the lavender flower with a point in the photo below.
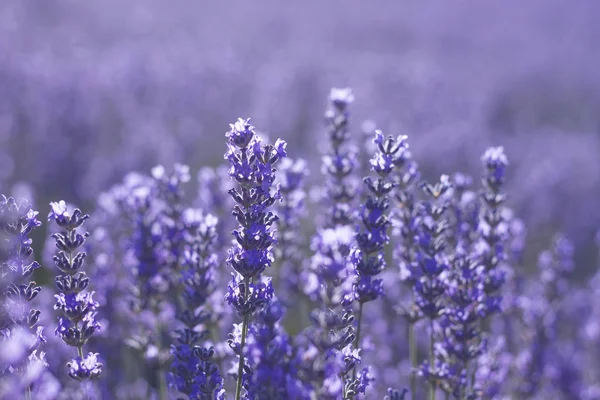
(19, 329)
(368, 256)
(340, 161)
(252, 168)
(326, 344)
(547, 316)
(17, 220)
(492, 227)
(273, 369)
(193, 371)
(77, 306)
(290, 211)
(432, 262)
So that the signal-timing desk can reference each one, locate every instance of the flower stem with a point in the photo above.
(412, 343)
(162, 384)
(245, 322)
(357, 339)
(432, 389)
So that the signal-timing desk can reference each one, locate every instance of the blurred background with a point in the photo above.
(92, 90)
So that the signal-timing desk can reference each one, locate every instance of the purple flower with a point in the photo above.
(291, 210)
(85, 368)
(252, 168)
(78, 322)
(340, 161)
(271, 359)
(372, 238)
(19, 329)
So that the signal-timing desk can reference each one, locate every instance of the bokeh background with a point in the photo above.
(92, 90)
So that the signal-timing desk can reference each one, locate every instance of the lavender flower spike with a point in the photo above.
(252, 168)
(77, 322)
(18, 319)
(193, 371)
(340, 161)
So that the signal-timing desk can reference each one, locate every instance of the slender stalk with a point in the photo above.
(464, 392)
(432, 389)
(473, 373)
(162, 384)
(357, 339)
(245, 323)
(412, 343)
(159, 372)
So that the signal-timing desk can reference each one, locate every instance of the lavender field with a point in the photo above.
(322, 200)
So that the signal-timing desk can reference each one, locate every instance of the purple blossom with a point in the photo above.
(252, 168)
(21, 336)
(78, 322)
(291, 210)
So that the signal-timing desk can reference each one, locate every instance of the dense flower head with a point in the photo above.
(340, 160)
(252, 168)
(372, 237)
(21, 337)
(495, 162)
(77, 322)
(271, 358)
(247, 299)
(85, 368)
(291, 210)
(341, 97)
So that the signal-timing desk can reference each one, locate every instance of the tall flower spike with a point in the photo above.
(193, 370)
(252, 168)
(492, 226)
(271, 359)
(431, 261)
(368, 257)
(372, 237)
(77, 322)
(213, 185)
(546, 316)
(327, 342)
(18, 319)
(290, 211)
(340, 161)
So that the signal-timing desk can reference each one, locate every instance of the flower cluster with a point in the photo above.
(193, 370)
(19, 329)
(252, 168)
(368, 256)
(404, 284)
(290, 211)
(77, 322)
(272, 363)
(327, 344)
(340, 161)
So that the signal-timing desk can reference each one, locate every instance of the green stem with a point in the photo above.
(464, 392)
(473, 373)
(357, 339)
(245, 323)
(432, 389)
(162, 384)
(412, 343)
